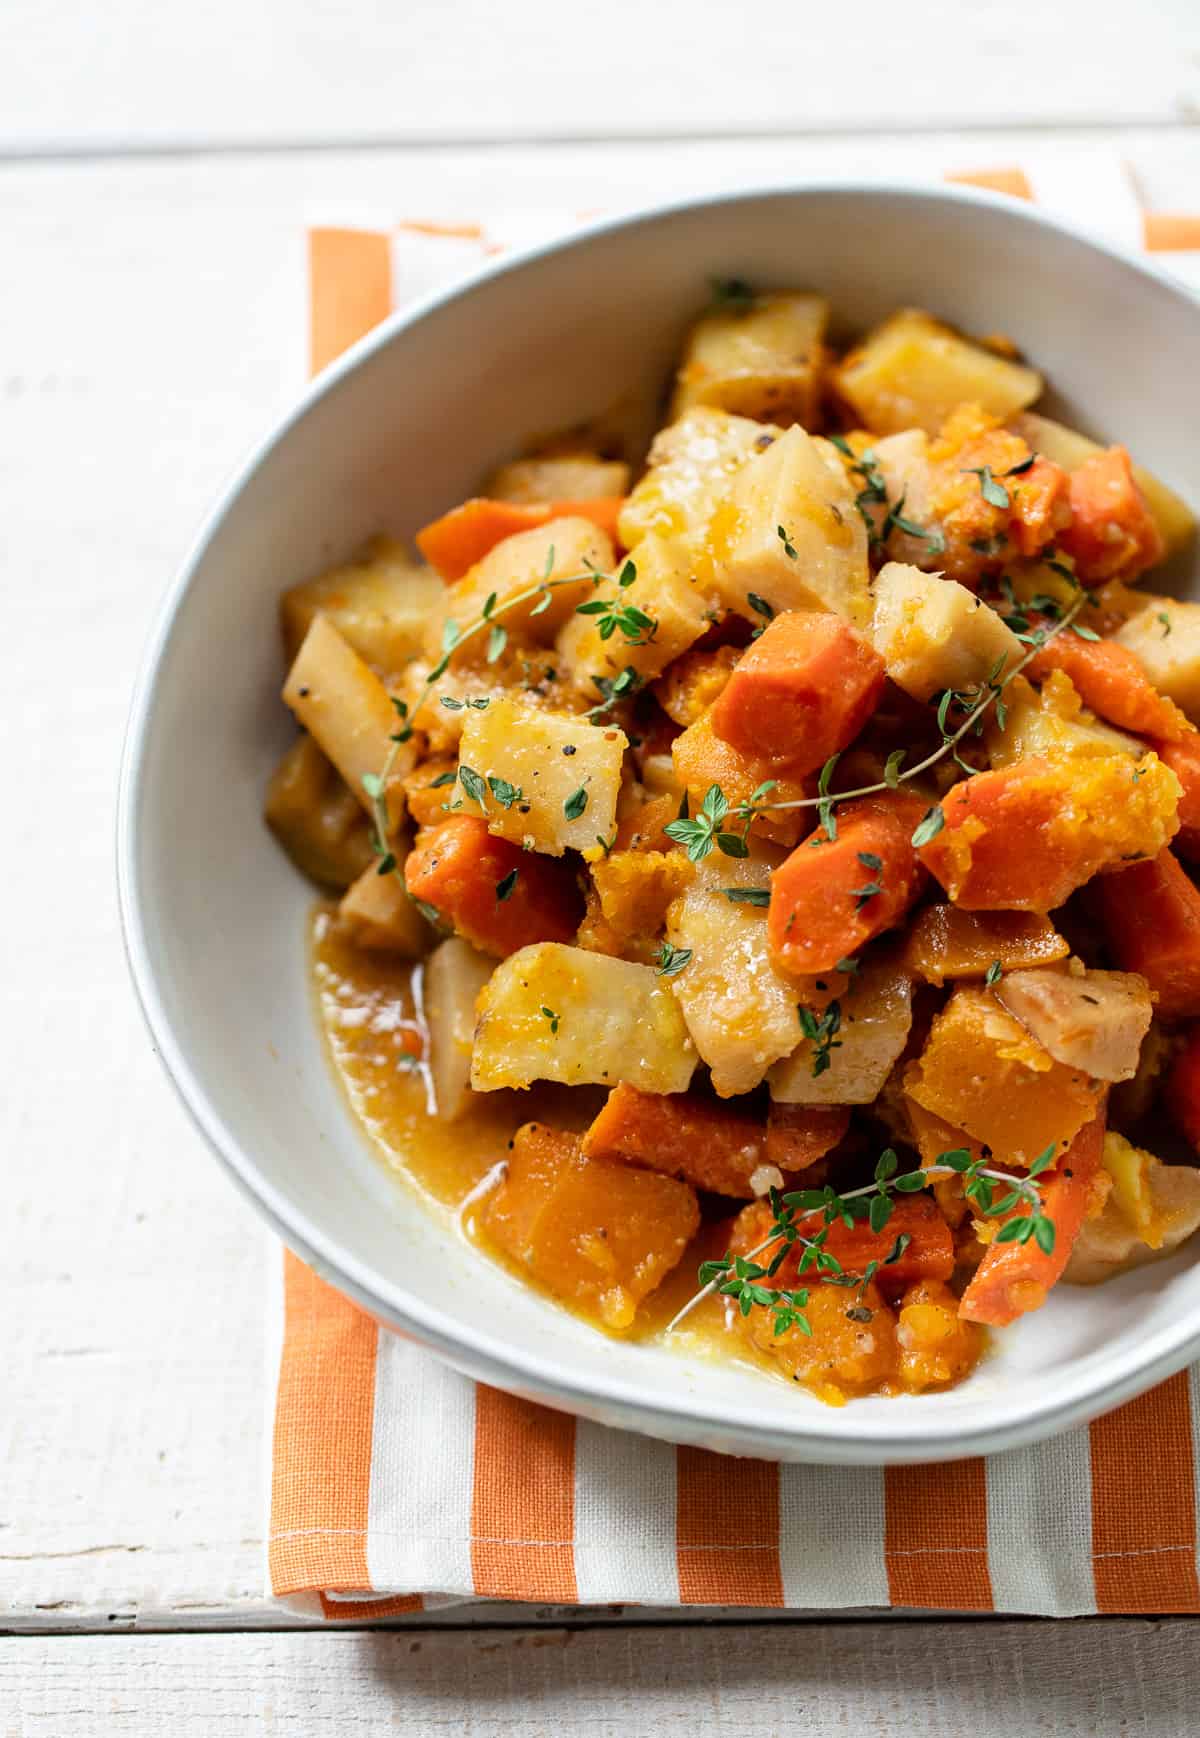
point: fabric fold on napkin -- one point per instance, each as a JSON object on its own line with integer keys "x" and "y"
{"x": 399, "y": 1485}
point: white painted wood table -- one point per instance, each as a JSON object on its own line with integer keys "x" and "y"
{"x": 157, "y": 168}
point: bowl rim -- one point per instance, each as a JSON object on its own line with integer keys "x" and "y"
{"x": 827, "y": 1436}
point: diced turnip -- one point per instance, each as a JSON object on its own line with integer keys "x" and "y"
{"x": 549, "y": 782}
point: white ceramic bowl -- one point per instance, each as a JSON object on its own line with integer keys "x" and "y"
{"x": 404, "y": 426}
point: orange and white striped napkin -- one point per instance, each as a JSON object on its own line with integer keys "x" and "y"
{"x": 397, "y": 1484}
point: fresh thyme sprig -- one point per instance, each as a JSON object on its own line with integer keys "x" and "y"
{"x": 874, "y": 1202}
{"x": 636, "y": 627}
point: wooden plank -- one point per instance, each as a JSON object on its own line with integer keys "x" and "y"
{"x": 151, "y": 325}
{"x": 272, "y": 73}
{"x": 1018, "y": 1680}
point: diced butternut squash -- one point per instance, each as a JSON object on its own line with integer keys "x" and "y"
{"x": 1091, "y": 1021}
{"x": 316, "y": 818}
{"x": 833, "y": 895}
{"x": 740, "y": 1011}
{"x": 1151, "y": 918}
{"x": 934, "y": 1138}
{"x": 801, "y": 692}
{"x": 708, "y": 1145}
{"x": 429, "y": 790}
{"x": 691, "y": 465}
{"x": 1050, "y": 723}
{"x": 497, "y": 896}
{"x": 1024, "y": 837}
{"x": 377, "y": 913}
{"x": 342, "y": 704}
{"x": 800, "y": 1134}
{"x": 762, "y": 359}
{"x": 980, "y": 1071}
{"x": 1165, "y": 638}
{"x": 933, "y": 634}
{"x": 1067, "y": 447}
{"x": 380, "y": 604}
{"x": 559, "y": 477}
{"x": 693, "y": 682}
{"x": 944, "y": 942}
{"x": 790, "y": 535}
{"x": 470, "y": 533}
{"x": 562, "y": 1013}
{"x": 701, "y": 760}
{"x": 1015, "y": 1278}
{"x": 454, "y": 975}
{"x": 566, "y": 555}
{"x": 597, "y": 1235}
{"x": 912, "y": 371}
{"x": 671, "y": 612}
{"x": 1112, "y": 534}
{"x": 551, "y": 783}
{"x": 636, "y": 888}
{"x": 1150, "y": 1209}
{"x": 874, "y": 1018}
{"x": 643, "y": 825}
{"x": 937, "y": 1348}
{"x": 1111, "y": 679}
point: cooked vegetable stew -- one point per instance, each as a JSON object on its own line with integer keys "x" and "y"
{"x": 763, "y": 891}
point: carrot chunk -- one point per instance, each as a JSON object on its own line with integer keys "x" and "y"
{"x": 800, "y": 1134}
{"x": 1112, "y": 534}
{"x": 801, "y": 692}
{"x": 1024, "y": 837}
{"x": 928, "y": 1254}
{"x": 708, "y": 1145}
{"x": 1183, "y": 758}
{"x": 1151, "y": 917}
{"x": 460, "y": 538}
{"x": 1183, "y": 1088}
{"x": 1112, "y": 681}
{"x": 496, "y": 895}
{"x": 1014, "y": 1278}
{"x": 832, "y": 895}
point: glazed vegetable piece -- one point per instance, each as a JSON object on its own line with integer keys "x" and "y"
{"x": 553, "y": 477}
{"x": 800, "y": 1134}
{"x": 1112, "y": 534}
{"x": 761, "y": 357}
{"x": 465, "y": 536}
{"x": 1165, "y": 638}
{"x": 1015, "y": 1278}
{"x": 1069, "y": 448}
{"x": 1113, "y": 682}
{"x": 379, "y": 603}
{"x": 1050, "y": 723}
{"x": 561, "y": 1013}
{"x": 1090, "y": 1020}
{"x": 637, "y": 888}
{"x": 933, "y": 1137}
{"x": 565, "y": 554}
{"x": 429, "y": 789}
{"x": 342, "y": 704}
{"x": 933, "y": 634}
{"x": 1151, "y": 917}
{"x": 702, "y": 759}
{"x": 852, "y": 1043}
{"x": 937, "y": 1348}
{"x": 1024, "y": 837}
{"x": 1183, "y": 758}
{"x": 497, "y": 896}
{"x": 317, "y": 818}
{"x": 377, "y": 912}
{"x": 943, "y": 941}
{"x": 832, "y": 896}
{"x": 980, "y": 1071}
{"x": 801, "y": 692}
{"x": 791, "y": 536}
{"x": 740, "y": 1011}
{"x": 642, "y": 619}
{"x": 690, "y": 685}
{"x": 1151, "y": 1208}
{"x": 712, "y": 1146}
{"x": 600, "y": 1236}
{"x": 689, "y": 471}
{"x": 454, "y": 975}
{"x": 928, "y": 1253}
{"x": 546, "y": 782}
{"x": 1182, "y": 1092}
{"x": 913, "y": 372}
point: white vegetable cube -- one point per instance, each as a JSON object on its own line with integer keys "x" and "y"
{"x": 1051, "y": 722}
{"x": 569, "y": 549}
{"x": 669, "y": 609}
{"x": 560, "y": 477}
{"x": 454, "y": 975}
{"x": 377, "y": 913}
{"x": 1166, "y": 638}
{"x": 691, "y": 465}
{"x": 791, "y": 533}
{"x": 933, "y": 634}
{"x": 739, "y": 1010}
{"x": 557, "y": 778}
{"x": 874, "y": 1018}
{"x": 912, "y": 371}
{"x": 552, "y": 1012}
{"x": 381, "y": 605}
{"x": 345, "y": 707}
{"x": 762, "y": 359}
